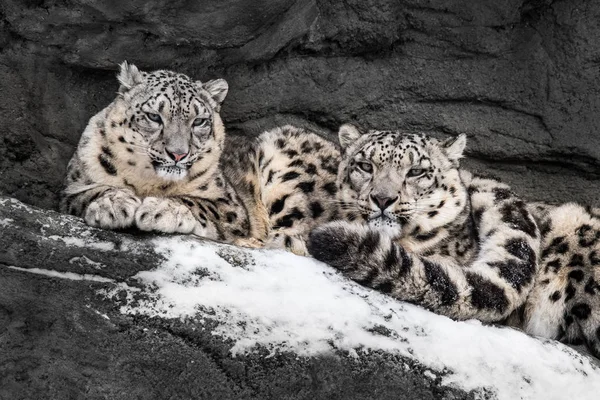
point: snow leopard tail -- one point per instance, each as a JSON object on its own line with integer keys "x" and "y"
{"x": 462, "y": 292}
{"x": 489, "y": 288}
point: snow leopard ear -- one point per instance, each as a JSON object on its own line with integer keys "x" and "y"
{"x": 129, "y": 76}
{"x": 347, "y": 135}
{"x": 217, "y": 88}
{"x": 454, "y": 147}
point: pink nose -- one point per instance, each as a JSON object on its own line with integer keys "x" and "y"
{"x": 177, "y": 156}
{"x": 383, "y": 202}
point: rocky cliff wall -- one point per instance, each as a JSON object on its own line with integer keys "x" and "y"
{"x": 520, "y": 77}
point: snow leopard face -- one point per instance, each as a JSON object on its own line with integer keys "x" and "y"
{"x": 403, "y": 183}
{"x": 171, "y": 119}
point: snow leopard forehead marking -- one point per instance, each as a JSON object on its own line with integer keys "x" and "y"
{"x": 396, "y": 149}
{"x": 177, "y": 94}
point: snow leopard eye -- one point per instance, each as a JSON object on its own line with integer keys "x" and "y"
{"x": 365, "y": 166}
{"x": 200, "y": 122}
{"x": 415, "y": 172}
{"x": 154, "y": 117}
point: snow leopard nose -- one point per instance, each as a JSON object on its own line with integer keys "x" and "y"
{"x": 176, "y": 156}
{"x": 383, "y": 202}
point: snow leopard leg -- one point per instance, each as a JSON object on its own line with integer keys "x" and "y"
{"x": 170, "y": 215}
{"x": 202, "y": 217}
{"x": 103, "y": 206}
{"x": 293, "y": 240}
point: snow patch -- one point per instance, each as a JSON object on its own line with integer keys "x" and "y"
{"x": 6, "y": 222}
{"x": 283, "y": 302}
{"x": 16, "y": 204}
{"x": 78, "y": 242}
{"x": 64, "y": 275}
{"x": 116, "y": 290}
{"x": 83, "y": 260}
{"x": 429, "y": 375}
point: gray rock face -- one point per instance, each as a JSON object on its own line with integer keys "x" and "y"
{"x": 520, "y": 77}
{"x": 72, "y": 326}
{"x": 60, "y": 339}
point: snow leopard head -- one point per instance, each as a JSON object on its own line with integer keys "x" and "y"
{"x": 171, "y": 119}
{"x": 405, "y": 183}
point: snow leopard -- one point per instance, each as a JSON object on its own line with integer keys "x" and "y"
{"x": 150, "y": 159}
{"x": 462, "y": 245}
{"x": 154, "y": 160}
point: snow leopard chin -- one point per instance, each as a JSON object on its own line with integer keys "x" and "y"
{"x": 171, "y": 173}
{"x": 386, "y": 226}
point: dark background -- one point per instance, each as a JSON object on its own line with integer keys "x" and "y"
{"x": 520, "y": 77}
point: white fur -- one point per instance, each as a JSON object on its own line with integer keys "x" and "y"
{"x": 454, "y": 147}
{"x": 347, "y": 135}
{"x": 173, "y": 217}
{"x": 113, "y": 210}
{"x": 129, "y": 76}
{"x": 218, "y": 89}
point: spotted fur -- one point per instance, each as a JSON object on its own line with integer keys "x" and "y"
{"x": 154, "y": 159}
{"x": 565, "y": 301}
{"x": 151, "y": 160}
{"x": 420, "y": 229}
{"x": 286, "y": 178}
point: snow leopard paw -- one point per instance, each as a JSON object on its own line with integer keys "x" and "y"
{"x": 114, "y": 209}
{"x": 295, "y": 243}
{"x": 251, "y": 243}
{"x": 165, "y": 215}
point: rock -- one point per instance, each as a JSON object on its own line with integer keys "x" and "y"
{"x": 60, "y": 339}
{"x": 518, "y": 76}
{"x": 88, "y": 313}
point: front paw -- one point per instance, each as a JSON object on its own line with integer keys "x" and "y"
{"x": 165, "y": 215}
{"x": 295, "y": 243}
{"x": 113, "y": 210}
{"x": 251, "y": 243}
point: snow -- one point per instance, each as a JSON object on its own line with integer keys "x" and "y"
{"x": 83, "y": 260}
{"x": 64, "y": 275}
{"x": 5, "y": 222}
{"x": 15, "y": 204}
{"x": 99, "y": 313}
{"x": 78, "y": 242}
{"x": 430, "y": 375}
{"x": 286, "y": 303}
